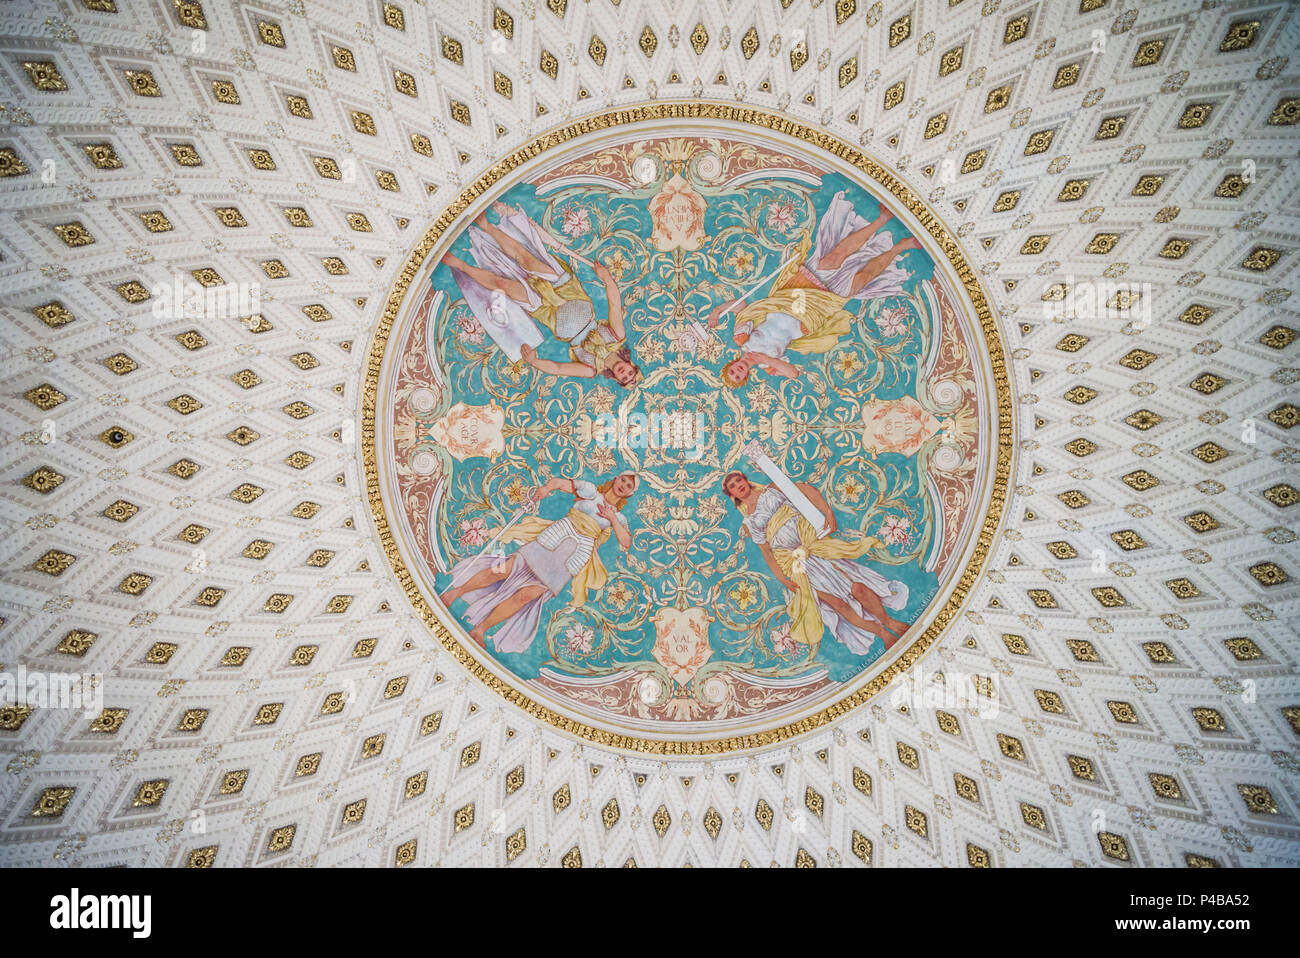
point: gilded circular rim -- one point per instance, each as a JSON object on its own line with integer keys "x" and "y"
{"x": 941, "y": 239}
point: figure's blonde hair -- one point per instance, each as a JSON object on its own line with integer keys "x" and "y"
{"x": 608, "y": 484}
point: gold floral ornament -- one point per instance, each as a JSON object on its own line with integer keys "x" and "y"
{"x": 54, "y": 562}
{"x": 1067, "y": 75}
{"x": 45, "y": 76}
{"x": 225, "y": 92}
{"x": 53, "y": 801}
{"x": 44, "y": 397}
{"x": 103, "y": 156}
{"x": 74, "y": 234}
{"x": 11, "y": 164}
{"x": 1286, "y": 113}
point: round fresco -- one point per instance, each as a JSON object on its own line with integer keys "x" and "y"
{"x": 687, "y": 429}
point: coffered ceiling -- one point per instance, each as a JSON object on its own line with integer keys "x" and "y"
{"x": 184, "y": 503}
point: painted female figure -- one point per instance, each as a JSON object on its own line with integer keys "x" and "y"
{"x": 515, "y": 272}
{"x": 827, "y": 585}
{"x": 510, "y": 592}
{"x": 804, "y": 312}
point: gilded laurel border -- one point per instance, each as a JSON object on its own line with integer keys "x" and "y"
{"x": 939, "y": 235}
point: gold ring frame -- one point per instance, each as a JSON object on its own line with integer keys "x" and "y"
{"x": 939, "y": 238}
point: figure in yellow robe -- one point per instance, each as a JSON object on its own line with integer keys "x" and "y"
{"x": 517, "y": 274}
{"x": 804, "y": 311}
{"x": 828, "y": 583}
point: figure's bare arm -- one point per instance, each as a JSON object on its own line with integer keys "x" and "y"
{"x": 615, "y": 299}
{"x": 547, "y": 238}
{"x": 552, "y": 367}
{"x": 774, "y": 365}
{"x": 775, "y": 566}
{"x": 563, "y": 250}
{"x": 574, "y": 369}
{"x": 715, "y": 317}
{"x": 616, "y": 522}
{"x": 819, "y": 501}
{"x": 554, "y": 484}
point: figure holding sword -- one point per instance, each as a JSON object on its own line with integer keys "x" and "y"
{"x": 804, "y": 310}
{"x": 701, "y": 334}
{"x": 510, "y": 592}
{"x": 827, "y": 583}
{"x": 517, "y": 282}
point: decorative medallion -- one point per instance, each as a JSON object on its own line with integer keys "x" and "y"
{"x": 687, "y": 428}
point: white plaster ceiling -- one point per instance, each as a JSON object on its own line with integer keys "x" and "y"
{"x": 1034, "y": 785}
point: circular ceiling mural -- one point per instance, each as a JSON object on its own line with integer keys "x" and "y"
{"x": 687, "y": 429}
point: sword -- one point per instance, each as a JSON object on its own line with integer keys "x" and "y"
{"x": 754, "y": 451}
{"x": 525, "y": 509}
{"x": 704, "y": 332}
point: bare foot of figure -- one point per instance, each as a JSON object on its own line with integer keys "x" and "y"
{"x": 479, "y": 635}
{"x": 448, "y": 597}
{"x": 909, "y": 243}
{"x": 878, "y": 630}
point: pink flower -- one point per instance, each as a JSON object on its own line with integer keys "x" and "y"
{"x": 894, "y": 530}
{"x": 473, "y": 532}
{"x": 782, "y": 643}
{"x": 469, "y": 329}
{"x": 890, "y": 321}
{"x": 579, "y": 639}
{"x": 577, "y": 220}
{"x": 780, "y": 216}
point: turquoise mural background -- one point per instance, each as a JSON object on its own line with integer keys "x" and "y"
{"x": 696, "y": 555}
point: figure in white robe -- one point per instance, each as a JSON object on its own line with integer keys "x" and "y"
{"x": 848, "y": 248}
{"x": 508, "y": 593}
{"x": 516, "y": 284}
